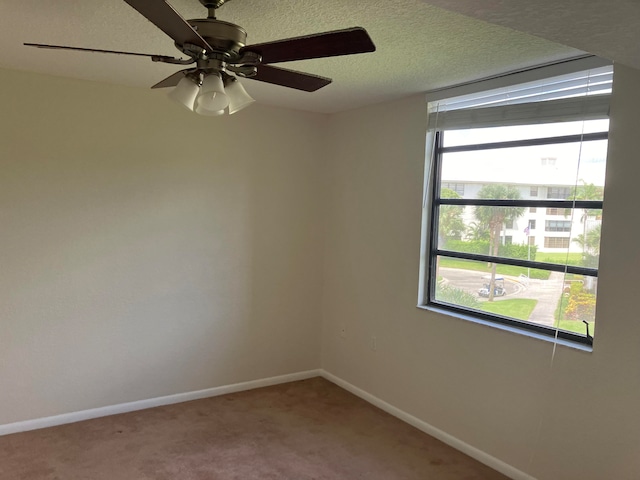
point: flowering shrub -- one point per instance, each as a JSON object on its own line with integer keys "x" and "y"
{"x": 581, "y": 304}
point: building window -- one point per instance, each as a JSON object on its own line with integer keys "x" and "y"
{"x": 557, "y": 226}
{"x": 558, "y": 192}
{"x": 556, "y": 242}
{"x": 456, "y": 187}
{"x": 533, "y": 209}
{"x": 497, "y": 146}
{"x": 565, "y": 212}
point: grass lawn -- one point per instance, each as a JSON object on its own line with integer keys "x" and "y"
{"x": 571, "y": 258}
{"x": 577, "y": 326}
{"x": 519, "y": 308}
{"x": 501, "y": 269}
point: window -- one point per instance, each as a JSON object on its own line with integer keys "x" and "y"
{"x": 495, "y": 140}
{"x": 559, "y": 211}
{"x": 557, "y": 226}
{"x": 456, "y": 187}
{"x": 556, "y": 242}
{"x": 558, "y": 192}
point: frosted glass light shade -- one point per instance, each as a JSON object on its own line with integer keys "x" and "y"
{"x": 238, "y": 96}
{"x": 185, "y": 93}
{"x": 208, "y": 113}
{"x": 211, "y": 97}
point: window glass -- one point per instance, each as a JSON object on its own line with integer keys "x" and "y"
{"x": 486, "y": 258}
{"x": 557, "y": 226}
{"x": 520, "y": 166}
{"x": 466, "y": 284}
{"x": 522, "y": 132}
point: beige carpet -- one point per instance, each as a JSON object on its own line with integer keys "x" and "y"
{"x": 303, "y": 430}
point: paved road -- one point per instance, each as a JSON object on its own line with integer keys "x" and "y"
{"x": 547, "y": 292}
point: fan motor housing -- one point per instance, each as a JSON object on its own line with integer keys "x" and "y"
{"x": 224, "y": 37}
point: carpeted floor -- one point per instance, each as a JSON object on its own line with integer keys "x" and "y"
{"x": 303, "y": 430}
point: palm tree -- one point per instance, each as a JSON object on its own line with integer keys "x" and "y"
{"x": 495, "y": 217}
{"x": 590, "y": 243}
{"x": 587, "y": 191}
{"x": 478, "y": 231}
{"x": 450, "y": 224}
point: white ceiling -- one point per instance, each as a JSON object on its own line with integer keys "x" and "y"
{"x": 419, "y": 46}
{"x": 607, "y": 28}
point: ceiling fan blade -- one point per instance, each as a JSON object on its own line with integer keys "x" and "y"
{"x": 117, "y": 52}
{"x": 172, "y": 80}
{"x": 165, "y": 17}
{"x": 290, "y": 78}
{"x": 327, "y": 44}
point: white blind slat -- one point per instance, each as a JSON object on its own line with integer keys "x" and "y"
{"x": 564, "y": 110}
{"x": 576, "y": 96}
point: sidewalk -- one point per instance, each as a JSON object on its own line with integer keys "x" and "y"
{"x": 547, "y": 292}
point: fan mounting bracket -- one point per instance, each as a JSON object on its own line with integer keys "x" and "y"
{"x": 212, "y": 6}
{"x": 213, "y": 3}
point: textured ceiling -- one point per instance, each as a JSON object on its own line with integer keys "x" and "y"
{"x": 607, "y": 28}
{"x": 419, "y": 46}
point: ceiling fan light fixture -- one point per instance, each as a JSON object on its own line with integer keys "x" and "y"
{"x": 238, "y": 96}
{"x": 185, "y": 93}
{"x": 212, "y": 96}
{"x": 208, "y": 113}
{"x": 215, "y": 46}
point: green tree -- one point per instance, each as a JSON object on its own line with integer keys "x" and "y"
{"x": 589, "y": 240}
{"x": 450, "y": 225}
{"x": 590, "y": 243}
{"x": 478, "y": 232}
{"x": 494, "y": 218}
{"x": 587, "y": 191}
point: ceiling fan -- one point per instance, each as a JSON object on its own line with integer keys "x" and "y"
{"x": 217, "y": 50}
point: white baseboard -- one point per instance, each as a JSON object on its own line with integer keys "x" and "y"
{"x": 444, "y": 437}
{"x": 150, "y": 403}
{"x": 450, "y": 440}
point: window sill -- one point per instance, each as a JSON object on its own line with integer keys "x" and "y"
{"x": 507, "y": 328}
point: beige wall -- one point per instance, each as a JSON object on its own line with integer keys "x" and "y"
{"x": 575, "y": 417}
{"x": 146, "y": 251}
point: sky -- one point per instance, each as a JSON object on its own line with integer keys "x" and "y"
{"x": 574, "y": 162}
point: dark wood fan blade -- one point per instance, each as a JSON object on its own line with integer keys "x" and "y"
{"x": 290, "y": 78}
{"x": 117, "y": 52}
{"x": 164, "y": 16}
{"x": 328, "y": 44}
{"x": 172, "y": 80}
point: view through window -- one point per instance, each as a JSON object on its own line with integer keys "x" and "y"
{"x": 517, "y": 240}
